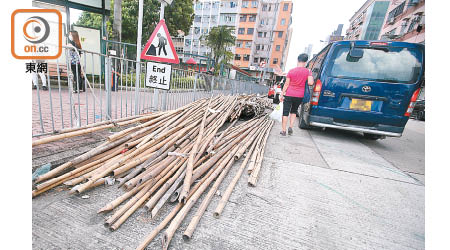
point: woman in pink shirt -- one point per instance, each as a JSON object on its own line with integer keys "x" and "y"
{"x": 293, "y": 91}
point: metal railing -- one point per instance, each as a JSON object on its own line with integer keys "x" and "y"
{"x": 111, "y": 93}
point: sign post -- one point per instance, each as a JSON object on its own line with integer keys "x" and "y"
{"x": 138, "y": 58}
{"x": 159, "y": 48}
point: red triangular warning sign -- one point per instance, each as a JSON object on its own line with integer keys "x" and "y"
{"x": 159, "y": 46}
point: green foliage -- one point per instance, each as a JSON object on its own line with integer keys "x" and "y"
{"x": 178, "y": 16}
{"x": 219, "y": 39}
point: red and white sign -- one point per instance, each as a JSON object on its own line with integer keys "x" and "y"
{"x": 262, "y": 64}
{"x": 159, "y": 46}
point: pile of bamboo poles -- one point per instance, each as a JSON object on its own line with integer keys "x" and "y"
{"x": 255, "y": 106}
{"x": 172, "y": 156}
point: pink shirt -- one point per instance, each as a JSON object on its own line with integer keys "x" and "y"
{"x": 298, "y": 77}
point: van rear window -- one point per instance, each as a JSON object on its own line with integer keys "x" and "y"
{"x": 398, "y": 65}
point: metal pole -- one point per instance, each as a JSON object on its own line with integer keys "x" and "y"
{"x": 138, "y": 57}
{"x": 156, "y": 91}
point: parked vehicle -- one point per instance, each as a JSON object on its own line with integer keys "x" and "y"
{"x": 364, "y": 86}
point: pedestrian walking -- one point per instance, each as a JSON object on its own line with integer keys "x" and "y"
{"x": 75, "y": 64}
{"x": 293, "y": 91}
{"x": 36, "y": 79}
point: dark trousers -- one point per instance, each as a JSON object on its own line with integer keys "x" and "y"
{"x": 291, "y": 104}
{"x": 164, "y": 49}
{"x": 77, "y": 76}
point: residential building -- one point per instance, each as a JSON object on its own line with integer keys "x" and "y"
{"x": 178, "y": 43}
{"x": 405, "y": 21}
{"x": 367, "y": 22}
{"x": 262, "y": 28}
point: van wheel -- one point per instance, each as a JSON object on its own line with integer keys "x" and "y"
{"x": 302, "y": 123}
{"x": 372, "y": 136}
{"x": 421, "y": 116}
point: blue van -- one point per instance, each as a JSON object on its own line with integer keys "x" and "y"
{"x": 364, "y": 86}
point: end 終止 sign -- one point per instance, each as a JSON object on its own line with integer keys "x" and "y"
{"x": 158, "y": 75}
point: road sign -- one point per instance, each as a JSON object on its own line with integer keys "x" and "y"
{"x": 262, "y": 64}
{"x": 159, "y": 46}
{"x": 158, "y": 75}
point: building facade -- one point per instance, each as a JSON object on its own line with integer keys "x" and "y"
{"x": 367, "y": 22}
{"x": 405, "y": 21}
{"x": 262, "y": 30}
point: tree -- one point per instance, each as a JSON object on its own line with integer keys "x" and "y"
{"x": 117, "y": 24}
{"x": 178, "y": 16}
{"x": 219, "y": 40}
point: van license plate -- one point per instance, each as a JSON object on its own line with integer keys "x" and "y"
{"x": 360, "y": 104}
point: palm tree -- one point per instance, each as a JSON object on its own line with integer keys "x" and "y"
{"x": 219, "y": 39}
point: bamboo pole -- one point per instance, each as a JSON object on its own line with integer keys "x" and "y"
{"x": 168, "y": 234}
{"x": 254, "y": 176}
{"x": 226, "y": 195}
{"x": 196, "y": 219}
{"x": 190, "y": 163}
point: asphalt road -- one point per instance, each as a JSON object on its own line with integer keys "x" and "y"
{"x": 317, "y": 190}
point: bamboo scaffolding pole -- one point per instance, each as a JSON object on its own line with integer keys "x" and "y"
{"x": 254, "y": 176}
{"x": 127, "y": 205}
{"x": 226, "y": 195}
{"x": 136, "y": 205}
{"x": 167, "y": 187}
{"x": 170, "y": 231}
{"x": 251, "y": 164}
{"x": 91, "y": 153}
{"x": 196, "y": 219}
{"x": 190, "y": 163}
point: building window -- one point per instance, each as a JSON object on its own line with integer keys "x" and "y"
{"x": 255, "y": 60}
{"x": 241, "y": 31}
{"x": 275, "y": 60}
{"x": 254, "y": 4}
{"x": 257, "y": 47}
{"x": 261, "y": 22}
{"x": 286, "y": 7}
{"x": 187, "y": 42}
{"x": 239, "y": 44}
{"x": 248, "y": 44}
{"x": 245, "y": 4}
{"x": 260, "y": 34}
{"x": 396, "y": 12}
{"x": 243, "y": 18}
{"x": 277, "y": 48}
{"x": 233, "y": 5}
{"x": 237, "y": 57}
{"x": 283, "y": 21}
{"x": 198, "y": 6}
{"x": 252, "y": 18}
{"x": 280, "y": 34}
{"x": 270, "y": 7}
{"x": 250, "y": 31}
{"x": 247, "y": 58}
{"x": 265, "y": 34}
{"x": 198, "y": 18}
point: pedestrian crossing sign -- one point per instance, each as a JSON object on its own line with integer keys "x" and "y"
{"x": 159, "y": 46}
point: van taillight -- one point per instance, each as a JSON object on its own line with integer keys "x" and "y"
{"x": 316, "y": 93}
{"x": 412, "y": 103}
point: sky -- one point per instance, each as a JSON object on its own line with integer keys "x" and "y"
{"x": 314, "y": 20}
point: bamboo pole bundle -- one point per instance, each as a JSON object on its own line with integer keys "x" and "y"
{"x": 254, "y": 175}
{"x": 190, "y": 163}
{"x": 164, "y": 153}
{"x": 226, "y": 195}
